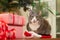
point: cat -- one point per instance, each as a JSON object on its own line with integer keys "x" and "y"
{"x": 36, "y": 23}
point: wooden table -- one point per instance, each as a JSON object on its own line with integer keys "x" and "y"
{"x": 37, "y": 39}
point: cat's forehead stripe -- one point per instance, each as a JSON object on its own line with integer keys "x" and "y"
{"x": 34, "y": 14}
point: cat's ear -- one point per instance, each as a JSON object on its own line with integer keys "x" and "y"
{"x": 40, "y": 13}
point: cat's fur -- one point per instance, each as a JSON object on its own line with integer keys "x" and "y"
{"x": 43, "y": 27}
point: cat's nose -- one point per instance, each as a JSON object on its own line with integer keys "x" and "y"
{"x": 34, "y": 21}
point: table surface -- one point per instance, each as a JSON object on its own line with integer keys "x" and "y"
{"x": 37, "y": 39}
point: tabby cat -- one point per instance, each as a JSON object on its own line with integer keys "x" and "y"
{"x": 38, "y": 24}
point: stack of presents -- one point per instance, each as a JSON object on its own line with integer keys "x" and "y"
{"x": 11, "y": 26}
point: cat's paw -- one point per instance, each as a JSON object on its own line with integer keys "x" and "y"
{"x": 35, "y": 34}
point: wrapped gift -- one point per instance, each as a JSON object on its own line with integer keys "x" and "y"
{"x": 13, "y": 19}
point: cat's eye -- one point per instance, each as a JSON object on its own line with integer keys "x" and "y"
{"x": 37, "y": 16}
{"x": 31, "y": 16}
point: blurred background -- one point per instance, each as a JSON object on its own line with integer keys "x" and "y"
{"x": 21, "y": 8}
{"x": 58, "y": 18}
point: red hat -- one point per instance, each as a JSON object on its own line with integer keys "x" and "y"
{"x": 27, "y": 34}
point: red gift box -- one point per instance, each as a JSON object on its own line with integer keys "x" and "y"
{"x": 12, "y": 19}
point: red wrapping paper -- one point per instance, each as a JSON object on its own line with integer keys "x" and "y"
{"x": 9, "y": 18}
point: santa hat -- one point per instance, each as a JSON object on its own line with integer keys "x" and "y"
{"x": 27, "y": 34}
